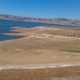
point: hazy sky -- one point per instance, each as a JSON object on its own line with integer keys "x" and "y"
{"x": 42, "y": 8}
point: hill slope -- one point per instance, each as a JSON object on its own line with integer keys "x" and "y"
{"x": 53, "y": 20}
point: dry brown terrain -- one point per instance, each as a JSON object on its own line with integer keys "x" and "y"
{"x": 41, "y": 47}
{"x": 46, "y": 45}
{"x": 67, "y": 73}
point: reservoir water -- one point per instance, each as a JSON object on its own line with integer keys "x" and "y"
{"x": 5, "y": 26}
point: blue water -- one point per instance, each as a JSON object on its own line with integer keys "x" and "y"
{"x": 5, "y": 26}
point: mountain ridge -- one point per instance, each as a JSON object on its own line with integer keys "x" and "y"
{"x": 51, "y": 20}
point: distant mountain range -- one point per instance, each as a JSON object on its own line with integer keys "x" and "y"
{"x": 52, "y": 20}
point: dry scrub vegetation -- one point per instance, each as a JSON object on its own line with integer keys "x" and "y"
{"x": 67, "y": 73}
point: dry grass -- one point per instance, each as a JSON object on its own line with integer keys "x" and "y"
{"x": 72, "y": 50}
{"x": 67, "y": 73}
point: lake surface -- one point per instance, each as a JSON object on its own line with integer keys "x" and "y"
{"x": 5, "y": 26}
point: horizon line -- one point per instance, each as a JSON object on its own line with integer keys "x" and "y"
{"x": 38, "y": 17}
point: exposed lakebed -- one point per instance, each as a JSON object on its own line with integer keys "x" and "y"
{"x": 5, "y": 27}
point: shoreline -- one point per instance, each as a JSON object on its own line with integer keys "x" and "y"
{"x": 42, "y": 22}
{"x": 38, "y": 66}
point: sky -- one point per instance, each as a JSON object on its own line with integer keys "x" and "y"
{"x": 41, "y": 8}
